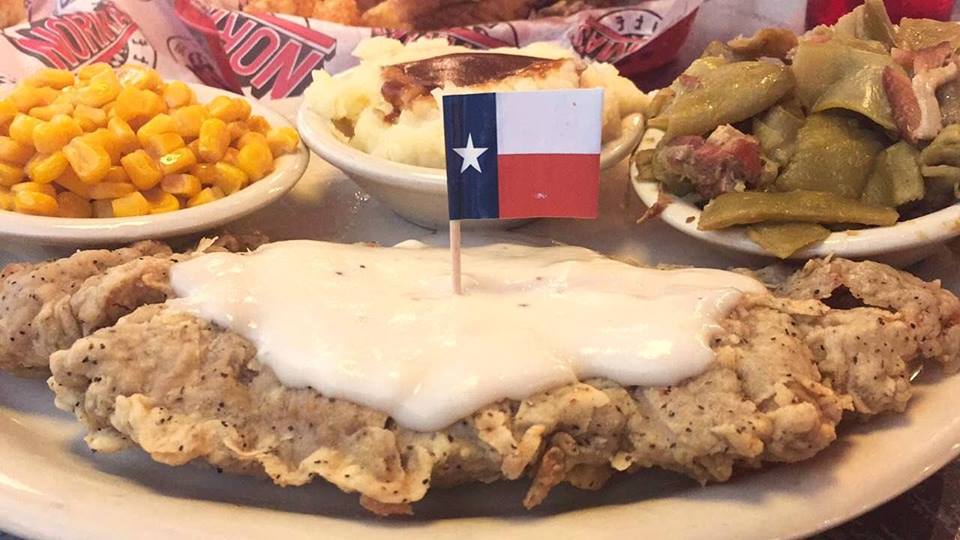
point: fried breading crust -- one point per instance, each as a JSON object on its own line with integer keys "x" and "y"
{"x": 434, "y": 14}
{"x": 47, "y": 306}
{"x": 12, "y": 12}
{"x": 786, "y": 368}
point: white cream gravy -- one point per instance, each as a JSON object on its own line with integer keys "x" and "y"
{"x": 380, "y": 327}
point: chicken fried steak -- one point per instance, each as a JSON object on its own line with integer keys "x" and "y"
{"x": 787, "y": 367}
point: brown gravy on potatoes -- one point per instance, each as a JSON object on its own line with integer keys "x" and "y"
{"x": 405, "y": 82}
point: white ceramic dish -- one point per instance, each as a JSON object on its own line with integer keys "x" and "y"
{"x": 85, "y": 232}
{"x": 51, "y": 486}
{"x": 900, "y": 245}
{"x": 419, "y": 194}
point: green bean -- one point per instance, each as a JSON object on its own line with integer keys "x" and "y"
{"x": 768, "y": 42}
{"x": 727, "y": 94}
{"x": 834, "y": 75}
{"x": 944, "y": 149}
{"x": 834, "y": 153}
{"x": 941, "y": 172}
{"x": 916, "y": 34}
{"x": 785, "y": 239}
{"x": 896, "y": 178}
{"x": 749, "y": 207}
{"x": 877, "y": 24}
{"x": 776, "y": 130}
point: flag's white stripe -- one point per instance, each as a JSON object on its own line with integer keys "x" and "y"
{"x": 550, "y": 122}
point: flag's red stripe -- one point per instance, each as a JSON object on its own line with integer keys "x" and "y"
{"x": 548, "y": 185}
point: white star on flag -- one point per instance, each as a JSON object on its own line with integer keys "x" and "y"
{"x": 470, "y": 155}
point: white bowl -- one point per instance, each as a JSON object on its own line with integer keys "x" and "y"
{"x": 419, "y": 194}
{"x": 85, "y": 232}
{"x": 899, "y": 245}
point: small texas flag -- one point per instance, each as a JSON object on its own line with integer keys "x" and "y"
{"x": 523, "y": 154}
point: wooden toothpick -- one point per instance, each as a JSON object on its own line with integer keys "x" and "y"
{"x": 455, "y": 256}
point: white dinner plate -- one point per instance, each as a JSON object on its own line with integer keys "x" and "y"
{"x": 288, "y": 169}
{"x": 52, "y": 486}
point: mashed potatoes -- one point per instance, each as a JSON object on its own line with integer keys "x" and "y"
{"x": 368, "y": 121}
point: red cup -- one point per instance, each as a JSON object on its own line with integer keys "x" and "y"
{"x": 828, "y": 11}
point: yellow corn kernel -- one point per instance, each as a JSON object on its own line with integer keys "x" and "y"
{"x": 140, "y": 77}
{"x": 54, "y": 78}
{"x": 230, "y": 179}
{"x": 124, "y": 134}
{"x": 214, "y": 140}
{"x": 161, "y": 201}
{"x": 13, "y": 152}
{"x": 7, "y": 111}
{"x": 110, "y": 190}
{"x": 89, "y": 160}
{"x": 6, "y": 199}
{"x": 183, "y": 185}
{"x": 206, "y": 195}
{"x": 189, "y": 119}
{"x": 255, "y": 160}
{"x": 128, "y": 104}
{"x": 10, "y": 174}
{"x": 249, "y": 137}
{"x": 243, "y": 106}
{"x": 86, "y": 73}
{"x": 177, "y": 94}
{"x": 163, "y": 143}
{"x": 137, "y": 106}
{"x": 71, "y": 182}
{"x": 101, "y": 89}
{"x": 49, "y": 137}
{"x": 237, "y": 129}
{"x": 180, "y": 160}
{"x": 134, "y": 204}
{"x": 153, "y": 103}
{"x": 205, "y": 172}
{"x": 45, "y": 168}
{"x": 229, "y": 109}
{"x": 230, "y": 156}
{"x": 161, "y": 123}
{"x": 117, "y": 174}
{"x": 90, "y": 118}
{"x": 46, "y": 189}
{"x": 73, "y": 206}
{"x": 105, "y": 138}
{"x": 47, "y": 112}
{"x": 258, "y": 123}
{"x": 102, "y": 209}
{"x": 21, "y": 129}
{"x": 284, "y": 140}
{"x": 143, "y": 171}
{"x": 25, "y": 97}
{"x": 194, "y": 146}
{"x": 36, "y": 203}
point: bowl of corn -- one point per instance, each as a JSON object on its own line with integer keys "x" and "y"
{"x": 114, "y": 155}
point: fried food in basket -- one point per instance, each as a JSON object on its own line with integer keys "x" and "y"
{"x": 12, "y": 12}
{"x": 416, "y": 14}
